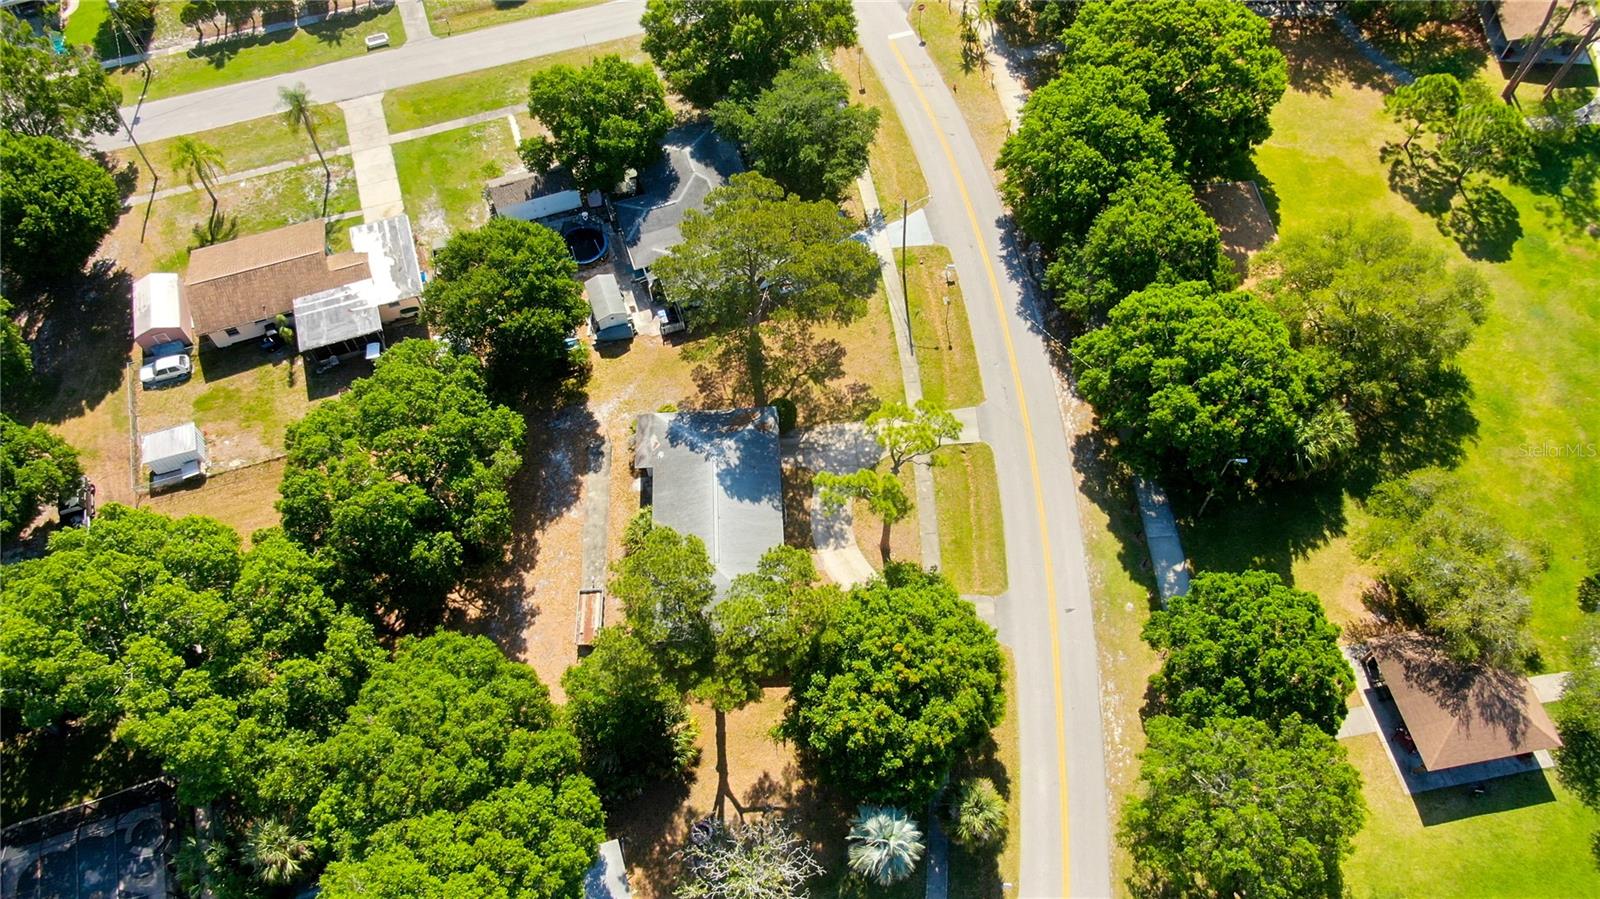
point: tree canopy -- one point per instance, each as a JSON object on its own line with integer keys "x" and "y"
{"x": 1388, "y": 313}
{"x": 1209, "y": 67}
{"x": 1199, "y": 378}
{"x": 1578, "y": 719}
{"x": 219, "y": 664}
{"x": 507, "y": 292}
{"x": 1234, "y": 808}
{"x": 712, "y": 50}
{"x": 401, "y": 482}
{"x": 604, "y": 119}
{"x": 762, "y": 625}
{"x": 757, "y": 253}
{"x": 452, "y": 769}
{"x": 1247, "y": 645}
{"x": 630, "y": 719}
{"x": 64, "y": 95}
{"x": 16, "y": 360}
{"x": 803, "y": 132}
{"x": 901, "y": 682}
{"x": 664, "y": 583}
{"x": 1453, "y": 569}
{"x": 908, "y": 433}
{"x": 1151, "y": 232}
{"x": 1082, "y": 137}
{"x": 55, "y": 206}
{"x": 37, "y": 468}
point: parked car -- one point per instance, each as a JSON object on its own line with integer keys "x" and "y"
{"x": 165, "y": 370}
{"x": 77, "y": 510}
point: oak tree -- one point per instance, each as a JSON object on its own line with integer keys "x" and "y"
{"x": 803, "y": 132}
{"x": 712, "y": 50}
{"x": 604, "y": 119}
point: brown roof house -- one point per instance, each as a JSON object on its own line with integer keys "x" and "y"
{"x": 1460, "y": 714}
{"x": 233, "y": 291}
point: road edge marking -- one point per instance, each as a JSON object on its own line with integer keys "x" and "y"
{"x": 1033, "y": 467}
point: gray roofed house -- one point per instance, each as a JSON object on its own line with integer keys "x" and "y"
{"x": 391, "y": 257}
{"x": 695, "y": 161}
{"x": 716, "y": 475}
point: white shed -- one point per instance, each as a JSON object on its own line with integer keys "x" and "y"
{"x": 612, "y": 320}
{"x": 174, "y": 454}
{"x": 160, "y": 312}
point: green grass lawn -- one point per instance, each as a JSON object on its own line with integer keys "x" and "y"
{"x": 1526, "y": 838}
{"x": 972, "y": 542}
{"x": 84, "y": 25}
{"x": 982, "y": 875}
{"x": 463, "y": 95}
{"x": 246, "y": 145}
{"x": 893, "y": 163}
{"x": 939, "y": 330}
{"x": 441, "y": 176}
{"x": 447, "y": 17}
{"x": 973, "y": 85}
{"x": 257, "y": 204}
{"x": 230, "y": 62}
{"x": 1531, "y": 364}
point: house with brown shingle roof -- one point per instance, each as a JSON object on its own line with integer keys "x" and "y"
{"x": 236, "y": 289}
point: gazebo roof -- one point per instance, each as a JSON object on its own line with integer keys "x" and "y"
{"x": 1461, "y": 714}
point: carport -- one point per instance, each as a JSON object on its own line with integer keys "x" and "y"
{"x": 337, "y": 322}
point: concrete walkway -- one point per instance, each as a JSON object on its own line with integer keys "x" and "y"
{"x": 910, "y": 372}
{"x": 840, "y": 449}
{"x": 377, "y": 182}
{"x": 415, "y": 17}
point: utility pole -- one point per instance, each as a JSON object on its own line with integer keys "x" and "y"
{"x": 905, "y": 293}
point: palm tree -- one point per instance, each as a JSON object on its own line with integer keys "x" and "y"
{"x": 978, "y": 814}
{"x": 885, "y": 845}
{"x": 197, "y": 159}
{"x": 297, "y": 113}
{"x": 275, "y": 853}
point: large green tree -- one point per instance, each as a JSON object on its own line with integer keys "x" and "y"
{"x": 664, "y": 583}
{"x": 1198, "y": 380}
{"x": 37, "y": 468}
{"x": 803, "y": 132}
{"x": 903, "y": 680}
{"x": 1236, "y": 808}
{"x": 223, "y": 666}
{"x": 401, "y": 482}
{"x": 712, "y": 50}
{"x": 55, "y": 206}
{"x": 1578, "y": 719}
{"x": 1151, "y": 232}
{"x": 1453, "y": 570}
{"x": 757, "y": 253}
{"x": 64, "y": 95}
{"x": 1461, "y": 130}
{"x": 761, "y": 626}
{"x": 604, "y": 119}
{"x": 1248, "y": 645}
{"x": 1083, "y": 136}
{"x": 16, "y": 360}
{"x": 1389, "y": 314}
{"x": 507, "y": 292}
{"x": 453, "y": 769}
{"x": 629, "y": 717}
{"x": 1209, "y": 66}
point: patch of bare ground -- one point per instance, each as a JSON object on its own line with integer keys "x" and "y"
{"x": 242, "y": 499}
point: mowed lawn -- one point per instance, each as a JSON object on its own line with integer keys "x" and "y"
{"x": 447, "y": 17}
{"x": 949, "y": 363}
{"x": 229, "y": 62}
{"x": 972, "y": 542}
{"x": 458, "y": 96}
{"x": 1525, "y": 838}
{"x": 1532, "y": 365}
{"x": 246, "y": 145}
{"x": 442, "y": 176}
{"x": 895, "y": 172}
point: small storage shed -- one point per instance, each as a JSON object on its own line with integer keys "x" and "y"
{"x": 531, "y": 196}
{"x": 173, "y": 455}
{"x": 160, "y": 312}
{"x": 612, "y": 320}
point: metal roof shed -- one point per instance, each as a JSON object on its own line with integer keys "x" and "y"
{"x": 160, "y": 313}
{"x": 612, "y": 320}
{"x": 336, "y": 321}
{"x": 175, "y": 454}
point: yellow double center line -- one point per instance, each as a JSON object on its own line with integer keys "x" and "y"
{"x": 1033, "y": 466}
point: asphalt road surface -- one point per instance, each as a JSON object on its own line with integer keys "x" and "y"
{"x": 382, "y": 70}
{"x": 1046, "y": 616}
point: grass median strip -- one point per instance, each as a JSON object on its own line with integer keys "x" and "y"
{"x": 229, "y": 62}
{"x": 972, "y": 544}
{"x": 458, "y": 96}
{"x": 940, "y": 332}
{"x": 447, "y": 17}
{"x": 893, "y": 163}
{"x": 971, "y": 84}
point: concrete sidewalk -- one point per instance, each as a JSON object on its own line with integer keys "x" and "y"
{"x": 377, "y": 182}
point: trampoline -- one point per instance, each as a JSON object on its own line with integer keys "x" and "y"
{"x": 586, "y": 242}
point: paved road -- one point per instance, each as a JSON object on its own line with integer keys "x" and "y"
{"x": 1047, "y": 617}
{"x": 381, "y": 70}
